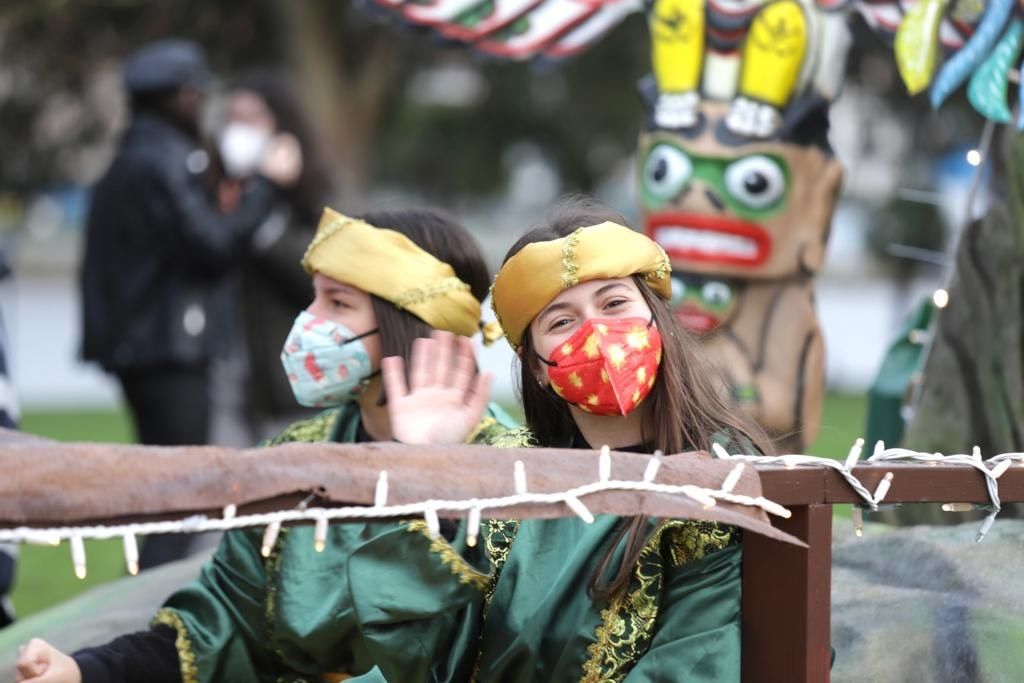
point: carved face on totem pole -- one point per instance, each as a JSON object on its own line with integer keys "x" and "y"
{"x": 736, "y": 185}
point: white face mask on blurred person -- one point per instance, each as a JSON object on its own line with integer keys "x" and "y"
{"x": 242, "y": 146}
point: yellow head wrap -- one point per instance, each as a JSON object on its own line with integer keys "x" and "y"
{"x": 531, "y": 279}
{"x": 389, "y": 265}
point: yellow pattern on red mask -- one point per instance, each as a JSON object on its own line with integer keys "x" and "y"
{"x": 607, "y": 367}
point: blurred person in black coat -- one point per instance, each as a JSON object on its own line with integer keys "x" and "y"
{"x": 256, "y": 401}
{"x": 155, "y": 308}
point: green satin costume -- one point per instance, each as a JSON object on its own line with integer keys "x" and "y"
{"x": 386, "y": 603}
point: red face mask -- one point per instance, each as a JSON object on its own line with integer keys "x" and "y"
{"x": 607, "y": 367}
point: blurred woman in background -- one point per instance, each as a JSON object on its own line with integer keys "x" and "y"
{"x": 252, "y": 398}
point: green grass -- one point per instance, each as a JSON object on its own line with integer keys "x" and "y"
{"x": 107, "y": 426}
{"x": 45, "y": 575}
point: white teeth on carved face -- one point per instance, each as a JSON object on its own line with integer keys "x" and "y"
{"x": 677, "y": 238}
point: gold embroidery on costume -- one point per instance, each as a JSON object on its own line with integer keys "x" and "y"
{"x": 692, "y": 542}
{"x": 418, "y": 295}
{"x": 182, "y": 642}
{"x": 272, "y": 570}
{"x": 311, "y": 430}
{"x": 627, "y": 624}
{"x": 569, "y": 266}
{"x": 479, "y": 433}
{"x": 520, "y": 437}
{"x": 452, "y": 559}
{"x": 498, "y": 536}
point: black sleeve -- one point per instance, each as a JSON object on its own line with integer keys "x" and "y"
{"x": 210, "y": 240}
{"x": 144, "y": 656}
{"x": 277, "y": 249}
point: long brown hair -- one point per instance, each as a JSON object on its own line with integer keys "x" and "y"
{"x": 685, "y": 410}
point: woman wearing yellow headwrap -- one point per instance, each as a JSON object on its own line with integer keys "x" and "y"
{"x": 582, "y": 300}
{"x": 263, "y": 613}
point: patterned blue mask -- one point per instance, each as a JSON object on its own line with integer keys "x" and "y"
{"x": 326, "y": 363}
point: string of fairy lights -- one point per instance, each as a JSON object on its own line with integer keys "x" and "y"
{"x": 992, "y": 469}
{"x": 321, "y": 517}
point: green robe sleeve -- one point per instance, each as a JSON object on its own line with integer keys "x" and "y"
{"x": 697, "y": 633}
{"x": 385, "y": 602}
{"x": 220, "y": 616}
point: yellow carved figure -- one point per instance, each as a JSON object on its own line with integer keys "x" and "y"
{"x": 774, "y": 53}
{"x": 677, "y": 44}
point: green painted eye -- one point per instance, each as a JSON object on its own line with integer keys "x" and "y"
{"x": 756, "y": 181}
{"x": 716, "y": 294}
{"x": 667, "y": 169}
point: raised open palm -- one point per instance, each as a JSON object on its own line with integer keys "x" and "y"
{"x": 445, "y": 397}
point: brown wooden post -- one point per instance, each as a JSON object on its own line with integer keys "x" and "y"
{"x": 787, "y": 601}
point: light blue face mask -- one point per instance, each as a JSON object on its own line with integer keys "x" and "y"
{"x": 326, "y": 363}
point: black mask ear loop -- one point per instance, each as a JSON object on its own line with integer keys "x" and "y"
{"x": 545, "y": 361}
{"x": 365, "y": 382}
{"x": 375, "y": 330}
{"x": 546, "y": 388}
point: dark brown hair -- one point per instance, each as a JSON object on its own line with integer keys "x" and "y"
{"x": 443, "y": 237}
{"x": 685, "y": 411}
{"x": 314, "y": 187}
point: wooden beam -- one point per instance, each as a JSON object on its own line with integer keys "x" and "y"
{"x": 787, "y": 601}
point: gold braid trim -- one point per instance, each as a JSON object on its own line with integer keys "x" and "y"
{"x": 418, "y": 295}
{"x": 627, "y": 624}
{"x": 452, "y": 559}
{"x": 183, "y": 643}
{"x": 569, "y": 266}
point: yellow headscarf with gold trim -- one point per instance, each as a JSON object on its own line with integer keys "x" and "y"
{"x": 389, "y": 265}
{"x": 531, "y": 279}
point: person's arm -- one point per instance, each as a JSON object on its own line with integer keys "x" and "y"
{"x": 697, "y": 632}
{"x": 213, "y": 626}
{"x": 278, "y": 246}
{"x": 146, "y": 655}
{"x": 143, "y": 656}
{"x": 211, "y": 240}
{"x": 175, "y": 202}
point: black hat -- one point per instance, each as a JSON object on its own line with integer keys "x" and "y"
{"x": 165, "y": 64}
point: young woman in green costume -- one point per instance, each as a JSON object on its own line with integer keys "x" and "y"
{"x": 379, "y": 284}
{"x": 603, "y": 361}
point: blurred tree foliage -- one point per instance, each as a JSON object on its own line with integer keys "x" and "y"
{"x": 59, "y": 108}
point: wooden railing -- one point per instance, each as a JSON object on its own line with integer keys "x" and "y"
{"x": 787, "y": 590}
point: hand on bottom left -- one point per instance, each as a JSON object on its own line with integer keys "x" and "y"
{"x": 40, "y": 662}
